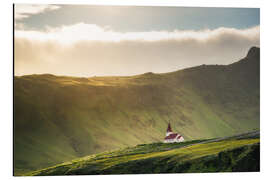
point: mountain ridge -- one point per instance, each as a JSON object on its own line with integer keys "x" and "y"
{"x": 254, "y": 51}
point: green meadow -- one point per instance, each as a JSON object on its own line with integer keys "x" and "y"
{"x": 60, "y": 118}
{"x": 226, "y": 155}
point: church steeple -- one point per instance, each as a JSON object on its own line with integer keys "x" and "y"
{"x": 169, "y": 130}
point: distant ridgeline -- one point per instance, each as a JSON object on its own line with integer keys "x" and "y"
{"x": 58, "y": 118}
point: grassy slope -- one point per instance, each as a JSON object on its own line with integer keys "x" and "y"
{"x": 231, "y": 154}
{"x": 60, "y": 118}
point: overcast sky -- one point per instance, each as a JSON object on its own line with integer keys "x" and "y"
{"x": 119, "y": 40}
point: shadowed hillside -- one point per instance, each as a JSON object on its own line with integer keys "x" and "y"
{"x": 59, "y": 118}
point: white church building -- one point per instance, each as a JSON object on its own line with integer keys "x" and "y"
{"x": 172, "y": 137}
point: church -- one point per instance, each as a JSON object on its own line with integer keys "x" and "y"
{"x": 172, "y": 137}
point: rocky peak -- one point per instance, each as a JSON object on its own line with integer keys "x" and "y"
{"x": 254, "y": 52}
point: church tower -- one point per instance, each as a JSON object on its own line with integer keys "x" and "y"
{"x": 169, "y": 130}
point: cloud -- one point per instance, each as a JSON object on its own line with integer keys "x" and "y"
{"x": 88, "y": 50}
{"x": 25, "y": 10}
{"x": 92, "y": 32}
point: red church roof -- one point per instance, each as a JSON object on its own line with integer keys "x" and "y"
{"x": 169, "y": 129}
{"x": 172, "y": 136}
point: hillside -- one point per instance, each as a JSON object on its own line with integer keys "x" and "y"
{"x": 59, "y": 118}
{"x": 233, "y": 154}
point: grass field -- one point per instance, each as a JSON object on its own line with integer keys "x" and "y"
{"x": 227, "y": 155}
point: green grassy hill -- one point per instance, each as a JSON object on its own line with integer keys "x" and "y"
{"x": 59, "y": 118}
{"x": 234, "y": 154}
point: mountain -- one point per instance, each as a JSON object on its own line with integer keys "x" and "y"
{"x": 59, "y": 118}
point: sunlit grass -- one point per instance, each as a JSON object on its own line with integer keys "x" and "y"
{"x": 157, "y": 153}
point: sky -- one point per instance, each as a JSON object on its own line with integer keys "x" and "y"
{"x": 87, "y": 40}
